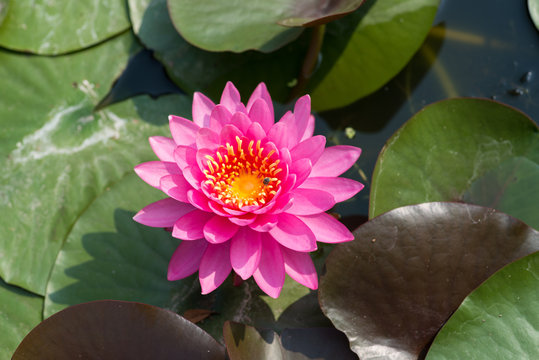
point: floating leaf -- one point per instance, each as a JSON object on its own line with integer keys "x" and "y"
{"x": 3, "y": 10}
{"x": 117, "y": 330}
{"x": 20, "y": 311}
{"x": 392, "y": 289}
{"x": 533, "y": 7}
{"x": 439, "y": 153}
{"x": 215, "y": 25}
{"x": 194, "y": 69}
{"x": 499, "y": 320}
{"x": 56, "y": 27}
{"x": 365, "y": 50}
{"x": 313, "y": 13}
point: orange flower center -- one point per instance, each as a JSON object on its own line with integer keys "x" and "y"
{"x": 242, "y": 175}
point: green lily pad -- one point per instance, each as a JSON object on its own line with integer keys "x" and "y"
{"x": 57, "y": 27}
{"x": 194, "y": 69}
{"x": 533, "y": 7}
{"x": 3, "y": 10}
{"x": 499, "y": 320}
{"x": 439, "y": 154}
{"x": 215, "y": 25}
{"x": 314, "y": 13}
{"x": 118, "y": 330}
{"x": 365, "y": 50}
{"x": 408, "y": 270}
{"x": 20, "y": 311}
{"x": 58, "y": 155}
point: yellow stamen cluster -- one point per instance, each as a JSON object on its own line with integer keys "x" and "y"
{"x": 242, "y": 175}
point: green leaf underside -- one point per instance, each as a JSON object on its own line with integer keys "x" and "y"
{"x": 385, "y": 38}
{"x": 237, "y": 27}
{"x": 312, "y": 13}
{"x": 440, "y": 152}
{"x": 20, "y": 311}
{"x": 410, "y": 268}
{"x": 42, "y": 27}
{"x": 499, "y": 320}
{"x": 118, "y": 330}
{"x": 194, "y": 69}
{"x": 533, "y": 8}
{"x": 245, "y": 342}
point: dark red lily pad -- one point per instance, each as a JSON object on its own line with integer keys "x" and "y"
{"x": 313, "y": 13}
{"x": 408, "y": 270}
{"x": 117, "y": 330}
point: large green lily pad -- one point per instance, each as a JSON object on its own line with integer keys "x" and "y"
{"x": 194, "y": 69}
{"x": 365, "y": 50}
{"x": 215, "y": 25}
{"x": 118, "y": 330}
{"x": 56, "y": 27}
{"x": 58, "y": 155}
{"x": 20, "y": 311}
{"x": 499, "y": 320}
{"x": 441, "y": 152}
{"x": 3, "y": 10}
{"x": 408, "y": 270}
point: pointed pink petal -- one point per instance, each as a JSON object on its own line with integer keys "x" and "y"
{"x": 341, "y": 188}
{"x": 309, "y": 131}
{"x": 264, "y": 223}
{"x": 241, "y": 121}
{"x": 198, "y": 200}
{"x": 261, "y": 92}
{"x": 293, "y": 233}
{"x": 214, "y": 267}
{"x": 162, "y": 213}
{"x": 302, "y": 113}
{"x": 243, "y": 220}
{"x": 310, "y": 202}
{"x": 220, "y": 116}
{"x": 152, "y": 171}
{"x": 245, "y": 250}
{"x": 327, "y": 229}
{"x": 202, "y": 108}
{"x": 283, "y": 134}
{"x": 261, "y": 114}
{"x": 282, "y": 204}
{"x": 186, "y": 259}
{"x": 270, "y": 272}
{"x": 207, "y": 139}
{"x": 163, "y": 147}
{"x": 302, "y": 169}
{"x": 191, "y": 225}
{"x": 255, "y": 132}
{"x": 335, "y": 160}
{"x": 229, "y": 133}
{"x": 175, "y": 186}
{"x": 193, "y": 176}
{"x": 231, "y": 99}
{"x": 217, "y": 208}
{"x": 184, "y": 156}
{"x": 218, "y": 229}
{"x": 300, "y": 267}
{"x": 310, "y": 149}
{"x": 183, "y": 131}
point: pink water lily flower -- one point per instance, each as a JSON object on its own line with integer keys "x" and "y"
{"x": 245, "y": 193}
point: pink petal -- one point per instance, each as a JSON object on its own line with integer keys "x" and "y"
{"x": 243, "y": 220}
{"x": 229, "y": 134}
{"x": 152, "y": 171}
{"x": 302, "y": 169}
{"x": 220, "y": 116}
{"x": 214, "y": 267}
{"x": 291, "y": 232}
{"x": 260, "y": 113}
{"x": 261, "y": 92}
{"x": 219, "y": 229}
{"x": 184, "y": 156}
{"x": 270, "y": 272}
{"x": 162, "y": 213}
{"x": 231, "y": 99}
{"x": 202, "y": 158}
{"x": 311, "y": 149}
{"x": 163, "y": 147}
{"x": 283, "y": 135}
{"x": 202, "y": 109}
{"x": 198, "y": 200}
{"x": 341, "y": 188}
{"x": 327, "y": 229}
{"x": 175, "y": 186}
{"x": 310, "y": 202}
{"x": 302, "y": 113}
{"x": 264, "y": 223}
{"x": 255, "y": 132}
{"x": 241, "y": 121}
{"x": 309, "y": 131}
{"x": 217, "y": 209}
{"x": 207, "y": 139}
{"x": 283, "y": 203}
{"x": 191, "y": 225}
{"x": 335, "y": 160}
{"x": 183, "y": 131}
{"x": 300, "y": 267}
{"x": 245, "y": 250}
{"x": 186, "y": 259}
{"x": 193, "y": 176}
